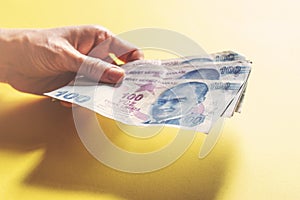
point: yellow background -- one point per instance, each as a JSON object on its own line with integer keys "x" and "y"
{"x": 258, "y": 154}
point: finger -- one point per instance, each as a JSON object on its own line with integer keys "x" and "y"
{"x": 132, "y": 56}
{"x": 124, "y": 50}
{"x": 99, "y": 42}
{"x": 100, "y": 71}
{"x": 120, "y": 48}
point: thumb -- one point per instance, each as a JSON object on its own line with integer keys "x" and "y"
{"x": 99, "y": 70}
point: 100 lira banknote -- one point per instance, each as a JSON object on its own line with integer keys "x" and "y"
{"x": 226, "y": 65}
{"x": 188, "y": 92}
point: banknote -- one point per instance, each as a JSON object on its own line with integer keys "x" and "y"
{"x": 229, "y": 66}
{"x": 192, "y": 104}
{"x": 191, "y": 92}
{"x": 237, "y": 70}
{"x": 224, "y": 56}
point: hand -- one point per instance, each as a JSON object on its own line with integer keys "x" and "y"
{"x": 41, "y": 60}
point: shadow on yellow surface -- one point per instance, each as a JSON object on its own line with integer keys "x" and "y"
{"x": 66, "y": 164}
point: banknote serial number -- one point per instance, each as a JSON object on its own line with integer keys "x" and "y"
{"x": 230, "y": 69}
{"x": 229, "y": 57}
{"x": 73, "y": 96}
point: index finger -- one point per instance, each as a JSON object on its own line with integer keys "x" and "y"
{"x": 124, "y": 50}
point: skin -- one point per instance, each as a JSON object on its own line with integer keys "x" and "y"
{"x": 41, "y": 60}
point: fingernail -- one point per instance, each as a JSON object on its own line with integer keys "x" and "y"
{"x": 115, "y": 74}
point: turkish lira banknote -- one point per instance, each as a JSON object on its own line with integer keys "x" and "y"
{"x": 225, "y": 65}
{"x": 191, "y": 92}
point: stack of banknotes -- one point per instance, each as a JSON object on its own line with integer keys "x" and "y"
{"x": 190, "y": 92}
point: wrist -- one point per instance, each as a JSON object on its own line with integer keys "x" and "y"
{"x": 8, "y": 41}
{"x": 4, "y": 43}
{"x": 3, "y": 66}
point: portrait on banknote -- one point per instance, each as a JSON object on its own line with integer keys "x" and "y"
{"x": 180, "y": 105}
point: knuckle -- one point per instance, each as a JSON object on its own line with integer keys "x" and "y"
{"x": 101, "y": 32}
